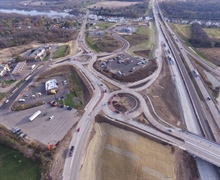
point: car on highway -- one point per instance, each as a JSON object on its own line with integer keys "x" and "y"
{"x": 6, "y": 101}
{"x": 169, "y": 130}
{"x": 78, "y": 129}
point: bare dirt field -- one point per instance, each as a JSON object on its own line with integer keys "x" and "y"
{"x": 114, "y": 153}
{"x": 112, "y": 4}
{"x": 143, "y": 53}
{"x": 164, "y": 97}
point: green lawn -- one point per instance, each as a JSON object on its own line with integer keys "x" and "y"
{"x": 8, "y": 82}
{"x": 143, "y": 39}
{"x": 104, "y": 25}
{"x": 184, "y": 31}
{"x": 13, "y": 166}
{"x": 62, "y": 51}
{"x": 90, "y": 43}
{"x": 2, "y": 95}
{"x": 213, "y": 32}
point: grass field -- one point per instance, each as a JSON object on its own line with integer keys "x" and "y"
{"x": 62, "y": 51}
{"x": 143, "y": 39}
{"x": 183, "y": 31}
{"x": 104, "y": 43}
{"x": 2, "y": 95}
{"x": 104, "y": 25}
{"x": 213, "y": 32}
{"x": 13, "y": 166}
{"x": 8, "y": 82}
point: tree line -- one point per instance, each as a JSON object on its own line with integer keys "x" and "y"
{"x": 20, "y": 30}
{"x": 199, "y": 37}
{"x": 133, "y": 11}
{"x": 199, "y": 9}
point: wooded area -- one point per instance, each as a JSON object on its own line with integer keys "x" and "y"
{"x": 133, "y": 11}
{"x": 19, "y": 30}
{"x": 199, "y": 9}
{"x": 199, "y": 38}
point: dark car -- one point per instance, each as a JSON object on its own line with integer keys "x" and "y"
{"x": 69, "y": 108}
{"x": 61, "y": 106}
{"x": 24, "y": 135}
{"x": 116, "y": 111}
{"x": 71, "y": 151}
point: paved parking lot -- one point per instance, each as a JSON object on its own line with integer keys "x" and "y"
{"x": 125, "y": 63}
{"x": 39, "y": 87}
{"x": 42, "y": 129}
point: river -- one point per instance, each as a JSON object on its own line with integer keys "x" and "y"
{"x": 52, "y": 14}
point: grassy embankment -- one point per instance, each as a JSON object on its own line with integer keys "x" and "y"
{"x": 15, "y": 166}
{"x": 105, "y": 43}
{"x": 2, "y": 95}
{"x": 210, "y": 55}
{"x": 75, "y": 97}
{"x": 183, "y": 31}
{"x": 62, "y": 51}
{"x": 104, "y": 25}
{"x": 9, "y": 82}
{"x": 142, "y": 40}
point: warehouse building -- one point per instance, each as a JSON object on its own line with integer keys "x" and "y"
{"x": 19, "y": 68}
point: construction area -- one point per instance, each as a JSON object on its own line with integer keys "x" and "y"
{"x": 120, "y": 154}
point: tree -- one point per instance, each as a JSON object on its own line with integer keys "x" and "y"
{"x": 18, "y": 59}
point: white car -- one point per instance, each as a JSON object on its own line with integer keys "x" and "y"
{"x": 6, "y": 101}
{"x": 21, "y": 100}
{"x": 51, "y": 117}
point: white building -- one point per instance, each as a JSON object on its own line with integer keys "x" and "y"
{"x": 51, "y": 86}
{"x": 92, "y": 17}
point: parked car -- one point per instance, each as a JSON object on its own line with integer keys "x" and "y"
{"x": 6, "y": 101}
{"x": 24, "y": 135}
{"x": 68, "y": 108}
{"x": 21, "y": 100}
{"x": 51, "y": 117}
{"x": 78, "y": 129}
{"x": 15, "y": 130}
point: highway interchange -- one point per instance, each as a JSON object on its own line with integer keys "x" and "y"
{"x": 200, "y": 139}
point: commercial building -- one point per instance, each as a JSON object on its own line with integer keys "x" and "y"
{"x": 18, "y": 68}
{"x": 51, "y": 86}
